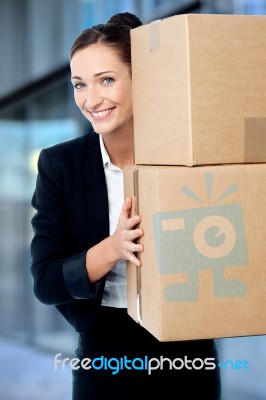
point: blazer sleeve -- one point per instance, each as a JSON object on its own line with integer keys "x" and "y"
{"x": 59, "y": 275}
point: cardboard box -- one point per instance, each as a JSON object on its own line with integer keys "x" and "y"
{"x": 199, "y": 90}
{"x": 203, "y": 272}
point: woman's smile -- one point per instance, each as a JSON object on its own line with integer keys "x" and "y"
{"x": 102, "y": 114}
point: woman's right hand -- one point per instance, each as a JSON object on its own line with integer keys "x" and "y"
{"x": 102, "y": 257}
{"x": 126, "y": 233}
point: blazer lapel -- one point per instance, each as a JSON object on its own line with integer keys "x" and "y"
{"x": 96, "y": 190}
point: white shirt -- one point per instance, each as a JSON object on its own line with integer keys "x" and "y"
{"x": 115, "y": 291}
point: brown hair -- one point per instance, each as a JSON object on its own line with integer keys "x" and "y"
{"x": 115, "y": 34}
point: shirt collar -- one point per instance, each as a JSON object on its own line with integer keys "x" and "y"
{"x": 105, "y": 156}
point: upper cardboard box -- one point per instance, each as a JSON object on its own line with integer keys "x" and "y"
{"x": 199, "y": 90}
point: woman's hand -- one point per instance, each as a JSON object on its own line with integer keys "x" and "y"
{"x": 126, "y": 233}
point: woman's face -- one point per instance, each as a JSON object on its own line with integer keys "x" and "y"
{"x": 102, "y": 88}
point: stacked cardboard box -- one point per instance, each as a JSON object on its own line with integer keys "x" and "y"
{"x": 199, "y": 97}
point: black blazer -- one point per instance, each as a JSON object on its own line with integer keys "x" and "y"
{"x": 71, "y": 216}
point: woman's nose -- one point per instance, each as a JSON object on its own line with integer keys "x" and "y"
{"x": 93, "y": 99}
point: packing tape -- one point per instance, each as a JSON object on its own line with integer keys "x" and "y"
{"x": 138, "y": 269}
{"x": 154, "y": 35}
{"x": 254, "y": 139}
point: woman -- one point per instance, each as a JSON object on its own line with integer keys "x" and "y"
{"x": 84, "y": 234}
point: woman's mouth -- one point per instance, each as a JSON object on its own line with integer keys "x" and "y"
{"x": 98, "y": 115}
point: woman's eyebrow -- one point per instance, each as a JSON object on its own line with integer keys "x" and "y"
{"x": 104, "y": 72}
{"x": 95, "y": 75}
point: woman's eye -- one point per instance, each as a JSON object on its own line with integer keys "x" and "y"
{"x": 79, "y": 85}
{"x": 107, "y": 81}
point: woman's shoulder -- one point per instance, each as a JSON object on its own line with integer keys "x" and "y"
{"x": 74, "y": 146}
{"x": 72, "y": 155}
{"x": 73, "y": 149}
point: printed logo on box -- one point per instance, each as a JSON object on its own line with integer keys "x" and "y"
{"x": 206, "y": 237}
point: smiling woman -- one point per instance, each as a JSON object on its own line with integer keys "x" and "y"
{"x": 83, "y": 234}
{"x": 102, "y": 90}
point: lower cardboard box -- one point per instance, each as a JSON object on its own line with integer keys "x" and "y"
{"x": 203, "y": 272}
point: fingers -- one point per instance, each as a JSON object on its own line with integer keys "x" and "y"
{"x": 130, "y": 223}
{"x": 133, "y": 234}
{"x": 130, "y": 252}
{"x": 126, "y": 208}
{"x": 133, "y": 259}
{"x": 127, "y": 204}
{"x": 127, "y": 233}
{"x": 133, "y": 247}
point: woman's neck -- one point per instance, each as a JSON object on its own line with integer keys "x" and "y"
{"x": 120, "y": 148}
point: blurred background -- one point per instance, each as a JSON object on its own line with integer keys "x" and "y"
{"x": 37, "y": 110}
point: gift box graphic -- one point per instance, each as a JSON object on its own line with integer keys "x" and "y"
{"x": 200, "y": 238}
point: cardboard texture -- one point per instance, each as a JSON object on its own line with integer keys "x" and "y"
{"x": 199, "y": 90}
{"x": 203, "y": 272}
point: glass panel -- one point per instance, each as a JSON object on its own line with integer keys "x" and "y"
{"x": 39, "y": 122}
